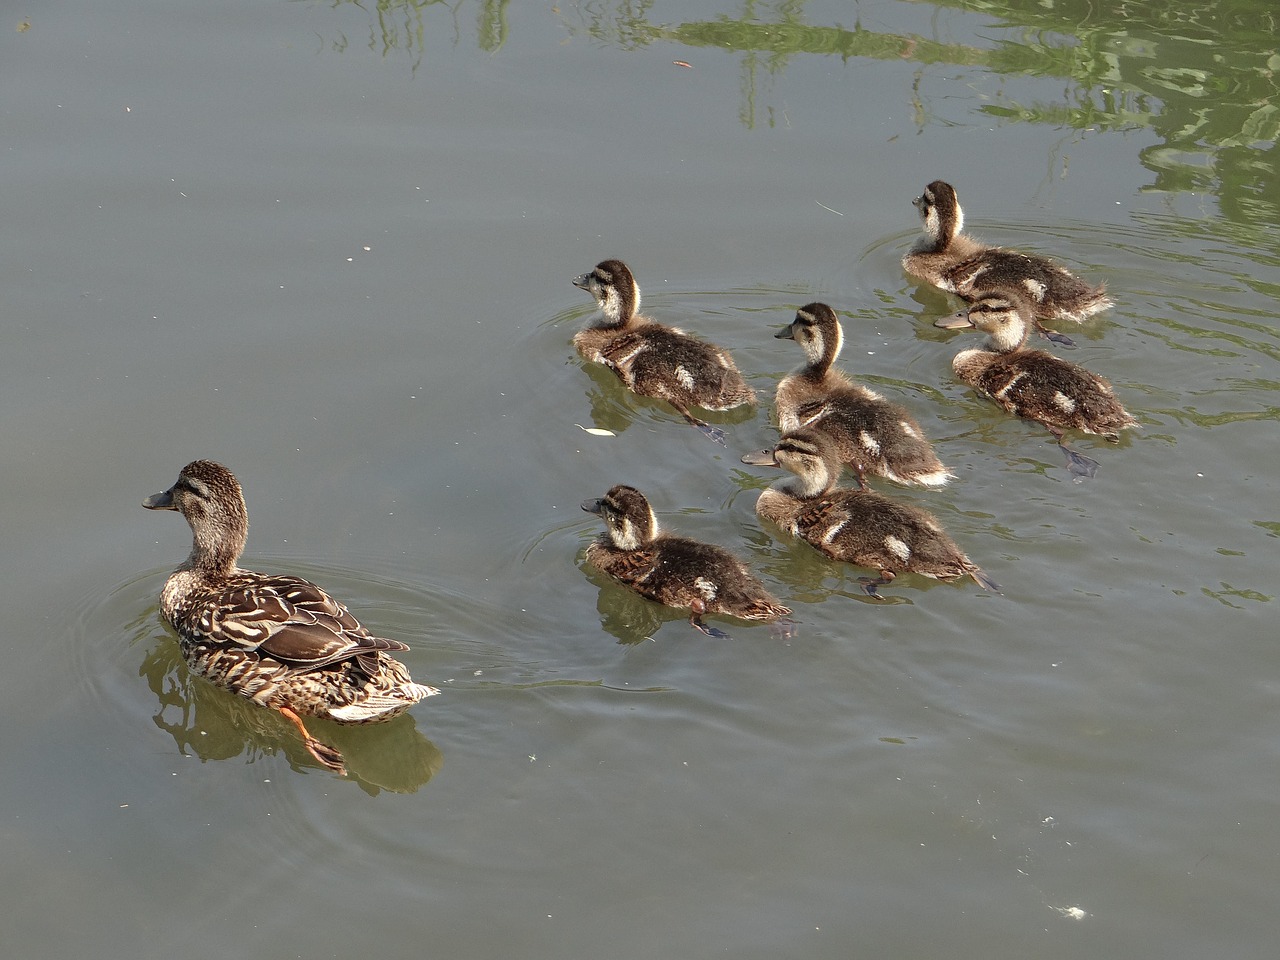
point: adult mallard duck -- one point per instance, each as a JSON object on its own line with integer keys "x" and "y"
{"x": 1032, "y": 383}
{"x": 868, "y": 433}
{"x": 655, "y": 360}
{"x": 856, "y": 526}
{"x": 959, "y": 264}
{"x": 675, "y": 571}
{"x": 278, "y": 640}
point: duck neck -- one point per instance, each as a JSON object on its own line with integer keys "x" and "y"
{"x": 619, "y": 306}
{"x": 822, "y": 352}
{"x": 806, "y": 486}
{"x": 214, "y": 553}
{"x": 1009, "y": 336}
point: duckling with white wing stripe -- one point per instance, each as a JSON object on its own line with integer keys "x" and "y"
{"x": 955, "y": 262}
{"x": 676, "y": 571}
{"x": 1034, "y": 384}
{"x": 855, "y": 526}
{"x": 653, "y": 359}
{"x": 867, "y": 432}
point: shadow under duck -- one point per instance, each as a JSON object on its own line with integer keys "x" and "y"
{"x": 959, "y": 264}
{"x": 855, "y": 526}
{"x": 1034, "y": 384}
{"x": 676, "y": 571}
{"x": 867, "y": 432}
{"x": 278, "y": 640}
{"x": 653, "y": 359}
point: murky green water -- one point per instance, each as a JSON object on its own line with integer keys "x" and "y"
{"x": 331, "y": 246}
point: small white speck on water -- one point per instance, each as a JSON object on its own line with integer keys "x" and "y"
{"x": 478, "y": 673}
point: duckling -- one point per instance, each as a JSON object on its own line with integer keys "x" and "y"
{"x": 867, "y": 431}
{"x": 959, "y": 264}
{"x": 1032, "y": 383}
{"x": 856, "y": 526}
{"x": 278, "y": 640}
{"x": 655, "y": 360}
{"x": 676, "y": 571}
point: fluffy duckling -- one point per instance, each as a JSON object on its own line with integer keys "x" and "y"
{"x": 855, "y": 526}
{"x": 959, "y": 264}
{"x": 278, "y": 640}
{"x": 676, "y": 571}
{"x": 655, "y": 360}
{"x": 868, "y": 433}
{"x": 1032, "y": 383}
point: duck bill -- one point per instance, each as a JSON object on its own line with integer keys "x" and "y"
{"x": 957, "y": 321}
{"x": 582, "y": 282}
{"x": 760, "y": 458}
{"x": 160, "y": 501}
{"x": 593, "y": 506}
{"x": 786, "y": 333}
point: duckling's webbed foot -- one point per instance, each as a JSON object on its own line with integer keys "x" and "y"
{"x": 705, "y": 628}
{"x": 327, "y": 755}
{"x": 869, "y": 584}
{"x": 695, "y": 618}
{"x": 712, "y": 433}
{"x": 1078, "y": 465}
{"x": 1053, "y": 336}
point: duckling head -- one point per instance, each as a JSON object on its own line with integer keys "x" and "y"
{"x": 628, "y": 518}
{"x": 940, "y": 212}
{"x": 614, "y": 289}
{"x": 817, "y": 330}
{"x": 808, "y": 455}
{"x": 209, "y": 497}
{"x": 1004, "y": 317}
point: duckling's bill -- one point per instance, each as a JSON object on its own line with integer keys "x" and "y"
{"x": 957, "y": 321}
{"x": 761, "y": 458}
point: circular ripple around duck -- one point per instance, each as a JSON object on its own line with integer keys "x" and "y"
{"x": 121, "y": 639}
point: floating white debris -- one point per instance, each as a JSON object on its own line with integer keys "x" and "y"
{"x": 1071, "y": 913}
{"x": 596, "y": 431}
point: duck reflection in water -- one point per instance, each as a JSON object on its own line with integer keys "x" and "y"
{"x": 212, "y": 724}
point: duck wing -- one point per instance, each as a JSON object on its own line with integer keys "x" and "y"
{"x": 290, "y": 620}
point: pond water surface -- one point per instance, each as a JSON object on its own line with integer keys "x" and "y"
{"x": 331, "y": 246}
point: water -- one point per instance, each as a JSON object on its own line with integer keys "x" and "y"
{"x": 332, "y": 245}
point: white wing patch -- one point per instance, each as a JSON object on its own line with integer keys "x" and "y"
{"x": 869, "y": 443}
{"x": 833, "y": 531}
{"x": 909, "y": 430}
{"x": 684, "y": 377}
{"x": 626, "y": 358}
{"x": 1036, "y": 289}
{"x": 1063, "y": 402}
{"x": 705, "y": 587}
{"x": 1013, "y": 381}
{"x": 898, "y": 548}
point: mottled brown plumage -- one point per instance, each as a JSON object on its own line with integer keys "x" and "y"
{"x": 959, "y": 264}
{"x": 675, "y": 571}
{"x": 856, "y": 526}
{"x": 279, "y": 641}
{"x": 1032, "y": 383}
{"x": 867, "y": 432}
{"x": 652, "y": 359}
